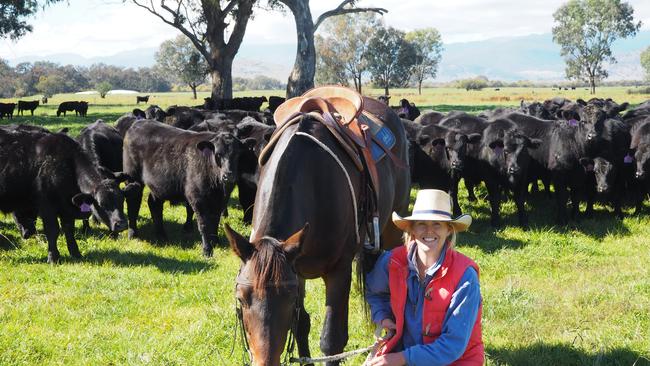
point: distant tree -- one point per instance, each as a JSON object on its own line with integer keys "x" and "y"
{"x": 585, "y": 31}
{"x": 428, "y": 52}
{"x": 50, "y": 85}
{"x": 477, "y": 83}
{"x": 645, "y": 62}
{"x": 301, "y": 78}
{"x": 205, "y": 23}
{"x": 103, "y": 88}
{"x": 390, "y": 58}
{"x": 7, "y": 76}
{"x": 14, "y": 14}
{"x": 179, "y": 59}
{"x": 342, "y": 54}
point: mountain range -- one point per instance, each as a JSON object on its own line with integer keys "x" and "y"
{"x": 533, "y": 57}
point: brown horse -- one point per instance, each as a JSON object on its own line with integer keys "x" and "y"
{"x": 304, "y": 228}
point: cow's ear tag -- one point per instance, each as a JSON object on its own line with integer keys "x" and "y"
{"x": 573, "y": 122}
{"x": 498, "y": 150}
{"x": 206, "y": 152}
{"x": 85, "y": 208}
{"x": 628, "y": 159}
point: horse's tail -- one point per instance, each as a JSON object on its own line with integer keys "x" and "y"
{"x": 365, "y": 262}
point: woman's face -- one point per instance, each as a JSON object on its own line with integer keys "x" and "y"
{"x": 430, "y": 234}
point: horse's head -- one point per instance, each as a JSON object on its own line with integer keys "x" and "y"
{"x": 268, "y": 291}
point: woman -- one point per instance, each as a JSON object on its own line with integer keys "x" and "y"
{"x": 427, "y": 292}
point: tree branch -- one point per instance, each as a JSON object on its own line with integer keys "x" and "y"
{"x": 341, "y": 9}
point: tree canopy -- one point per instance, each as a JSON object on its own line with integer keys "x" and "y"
{"x": 390, "y": 58}
{"x": 585, "y": 31}
{"x": 428, "y": 52}
{"x": 645, "y": 62}
{"x": 14, "y": 14}
{"x": 182, "y": 63}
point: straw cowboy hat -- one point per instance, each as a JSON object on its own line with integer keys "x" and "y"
{"x": 432, "y": 205}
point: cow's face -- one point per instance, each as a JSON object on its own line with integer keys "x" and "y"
{"x": 223, "y": 151}
{"x": 456, "y": 146}
{"x": 517, "y": 156}
{"x": 108, "y": 205}
{"x": 434, "y": 148}
{"x": 604, "y": 172}
{"x": 593, "y": 114}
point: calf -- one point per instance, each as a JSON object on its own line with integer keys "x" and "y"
{"x": 51, "y": 174}
{"x": 180, "y": 166}
{"x": 126, "y": 121}
{"x": 72, "y": 106}
{"x": 640, "y": 148}
{"x": 7, "y": 109}
{"x": 275, "y": 102}
{"x": 27, "y": 106}
{"x": 609, "y": 182}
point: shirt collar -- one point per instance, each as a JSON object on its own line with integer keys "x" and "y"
{"x": 431, "y": 270}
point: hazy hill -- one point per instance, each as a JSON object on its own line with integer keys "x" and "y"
{"x": 532, "y": 57}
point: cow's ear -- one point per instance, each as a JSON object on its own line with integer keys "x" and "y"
{"x": 131, "y": 188}
{"x": 423, "y": 140}
{"x": 240, "y": 245}
{"x": 84, "y": 201}
{"x": 623, "y": 106}
{"x": 249, "y": 143}
{"x": 121, "y": 177}
{"x": 474, "y": 138}
{"x": 534, "y": 143}
{"x": 438, "y": 142}
{"x": 496, "y": 143}
{"x": 586, "y": 162}
{"x": 461, "y": 138}
{"x": 581, "y": 102}
{"x": 206, "y": 148}
{"x": 293, "y": 245}
{"x": 63, "y": 130}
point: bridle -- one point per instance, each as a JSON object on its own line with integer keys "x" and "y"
{"x": 291, "y": 283}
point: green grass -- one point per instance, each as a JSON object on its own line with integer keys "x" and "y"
{"x": 578, "y": 295}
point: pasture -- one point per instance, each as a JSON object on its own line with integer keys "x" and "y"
{"x": 576, "y": 295}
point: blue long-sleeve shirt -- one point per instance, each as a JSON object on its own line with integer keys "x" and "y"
{"x": 459, "y": 319}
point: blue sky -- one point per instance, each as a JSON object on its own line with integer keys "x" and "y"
{"x": 105, "y": 27}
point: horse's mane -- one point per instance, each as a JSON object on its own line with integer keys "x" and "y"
{"x": 267, "y": 263}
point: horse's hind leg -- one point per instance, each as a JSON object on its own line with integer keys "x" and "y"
{"x": 304, "y": 325}
{"x": 334, "y": 335}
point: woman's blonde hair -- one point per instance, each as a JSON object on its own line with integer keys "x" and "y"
{"x": 408, "y": 238}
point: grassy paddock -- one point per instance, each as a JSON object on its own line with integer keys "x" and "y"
{"x": 552, "y": 296}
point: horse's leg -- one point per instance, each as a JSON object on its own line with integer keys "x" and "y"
{"x": 304, "y": 325}
{"x": 334, "y": 335}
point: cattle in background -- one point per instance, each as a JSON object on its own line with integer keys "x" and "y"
{"x": 183, "y": 117}
{"x": 274, "y": 103}
{"x": 407, "y": 110}
{"x": 27, "y": 106}
{"x": 536, "y": 109}
{"x": 144, "y": 99}
{"x": 80, "y": 108}
{"x": 252, "y": 104}
{"x": 58, "y": 179}
{"x": 384, "y": 99}
{"x": 182, "y": 167}
{"x": 155, "y": 112}
{"x": 7, "y": 109}
{"x": 640, "y": 149}
{"x": 44, "y": 100}
{"x": 429, "y": 118}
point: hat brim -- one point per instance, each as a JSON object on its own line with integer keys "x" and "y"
{"x": 461, "y": 223}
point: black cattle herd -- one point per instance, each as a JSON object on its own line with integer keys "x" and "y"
{"x": 196, "y": 155}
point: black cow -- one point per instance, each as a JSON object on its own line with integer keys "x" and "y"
{"x": 274, "y": 103}
{"x": 180, "y": 166}
{"x": 430, "y": 117}
{"x": 640, "y": 148}
{"x": 144, "y": 99}
{"x": 80, "y": 108}
{"x": 537, "y": 109}
{"x": 27, "y": 106}
{"x": 126, "y": 121}
{"x": 7, "y": 109}
{"x": 408, "y": 110}
{"x": 183, "y": 117}
{"x": 51, "y": 174}
{"x": 242, "y": 103}
{"x": 44, "y": 100}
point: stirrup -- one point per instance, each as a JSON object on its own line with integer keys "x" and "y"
{"x": 376, "y": 245}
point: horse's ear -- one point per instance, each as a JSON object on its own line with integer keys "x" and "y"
{"x": 240, "y": 245}
{"x": 293, "y": 245}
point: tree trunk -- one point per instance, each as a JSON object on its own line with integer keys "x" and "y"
{"x": 301, "y": 78}
{"x": 222, "y": 78}
{"x": 359, "y": 85}
{"x": 386, "y": 89}
{"x": 193, "y": 87}
{"x": 592, "y": 83}
{"x": 419, "y": 87}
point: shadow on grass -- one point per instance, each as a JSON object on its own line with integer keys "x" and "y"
{"x": 8, "y": 241}
{"x": 128, "y": 259}
{"x": 547, "y": 354}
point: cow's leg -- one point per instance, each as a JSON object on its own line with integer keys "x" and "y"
{"x": 26, "y": 222}
{"x": 156, "y": 209}
{"x": 494, "y": 192}
{"x": 189, "y": 213}
{"x": 334, "y": 335}
{"x": 453, "y": 192}
{"x": 133, "y": 202}
{"x": 67, "y": 224}
{"x": 207, "y": 221}
{"x": 561, "y": 197}
{"x": 51, "y": 229}
{"x": 469, "y": 185}
{"x": 304, "y": 326}
{"x": 520, "y": 200}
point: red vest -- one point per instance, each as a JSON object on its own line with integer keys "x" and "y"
{"x": 437, "y": 298}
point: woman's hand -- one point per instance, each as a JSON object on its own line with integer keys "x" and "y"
{"x": 388, "y": 324}
{"x": 391, "y": 359}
